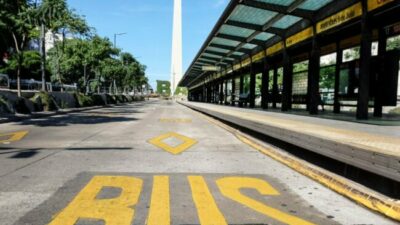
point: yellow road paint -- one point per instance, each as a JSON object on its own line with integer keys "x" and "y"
{"x": 386, "y": 206}
{"x": 207, "y": 209}
{"x": 12, "y": 137}
{"x": 230, "y": 188}
{"x": 115, "y": 211}
{"x": 186, "y": 143}
{"x": 160, "y": 202}
{"x": 170, "y": 120}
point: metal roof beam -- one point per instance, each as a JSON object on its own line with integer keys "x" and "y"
{"x": 286, "y": 10}
{"x": 219, "y": 54}
{"x": 205, "y": 62}
{"x": 240, "y": 39}
{"x": 230, "y": 48}
{"x": 210, "y": 58}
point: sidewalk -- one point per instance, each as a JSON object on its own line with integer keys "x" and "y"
{"x": 371, "y": 147}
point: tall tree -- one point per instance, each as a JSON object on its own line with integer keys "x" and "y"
{"x": 18, "y": 16}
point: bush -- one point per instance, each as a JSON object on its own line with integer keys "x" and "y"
{"x": 395, "y": 111}
{"x": 44, "y": 102}
{"x": 98, "y": 100}
{"x": 20, "y": 106}
{"x": 110, "y": 99}
{"x": 84, "y": 100}
{"x": 4, "y": 107}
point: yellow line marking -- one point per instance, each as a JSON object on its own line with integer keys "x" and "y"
{"x": 384, "y": 205}
{"x": 12, "y": 137}
{"x": 171, "y": 120}
{"x": 160, "y": 202}
{"x": 207, "y": 209}
{"x": 230, "y": 188}
{"x": 115, "y": 211}
{"x": 186, "y": 142}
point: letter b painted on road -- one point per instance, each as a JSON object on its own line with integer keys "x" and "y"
{"x": 114, "y": 211}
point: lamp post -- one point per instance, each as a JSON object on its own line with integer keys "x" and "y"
{"x": 115, "y": 38}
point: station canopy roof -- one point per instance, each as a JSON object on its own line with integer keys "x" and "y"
{"x": 247, "y": 25}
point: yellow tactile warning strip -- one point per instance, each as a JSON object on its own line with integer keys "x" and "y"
{"x": 160, "y": 142}
{"x": 375, "y": 143}
{"x": 366, "y": 197}
{"x": 12, "y": 137}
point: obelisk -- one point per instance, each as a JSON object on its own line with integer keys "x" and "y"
{"x": 176, "y": 60}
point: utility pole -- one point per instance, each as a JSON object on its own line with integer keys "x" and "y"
{"x": 115, "y": 38}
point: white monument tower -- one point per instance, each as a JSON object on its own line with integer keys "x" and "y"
{"x": 176, "y": 65}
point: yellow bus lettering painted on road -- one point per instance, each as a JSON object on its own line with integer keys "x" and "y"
{"x": 230, "y": 188}
{"x": 160, "y": 202}
{"x": 114, "y": 211}
{"x": 207, "y": 209}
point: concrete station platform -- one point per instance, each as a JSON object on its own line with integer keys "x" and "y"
{"x": 369, "y": 147}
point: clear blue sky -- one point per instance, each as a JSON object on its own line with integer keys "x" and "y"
{"x": 148, "y": 24}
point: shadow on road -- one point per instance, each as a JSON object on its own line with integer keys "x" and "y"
{"x": 20, "y": 153}
{"x": 73, "y": 119}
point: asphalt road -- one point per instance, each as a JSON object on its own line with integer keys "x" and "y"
{"x": 155, "y": 163}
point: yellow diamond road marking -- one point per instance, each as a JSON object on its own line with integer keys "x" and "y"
{"x": 12, "y": 137}
{"x": 160, "y": 142}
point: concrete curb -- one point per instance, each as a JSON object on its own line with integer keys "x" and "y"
{"x": 21, "y": 117}
{"x": 349, "y": 189}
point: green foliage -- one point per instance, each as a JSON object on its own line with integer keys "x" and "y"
{"x": 85, "y": 57}
{"x": 45, "y": 101}
{"x": 163, "y": 88}
{"x": 181, "y": 91}
{"x": 30, "y": 65}
{"x": 84, "y": 100}
{"x": 393, "y": 43}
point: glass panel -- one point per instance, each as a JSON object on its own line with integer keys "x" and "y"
{"x": 277, "y": 2}
{"x": 211, "y": 55}
{"x": 393, "y": 43}
{"x": 300, "y": 81}
{"x": 280, "y": 80}
{"x": 249, "y": 46}
{"x": 271, "y": 81}
{"x": 351, "y": 54}
{"x": 223, "y": 41}
{"x": 217, "y": 49}
{"x": 235, "y": 31}
{"x": 300, "y": 67}
{"x": 327, "y": 60}
{"x": 263, "y": 36}
{"x": 258, "y": 89}
{"x": 251, "y": 15}
{"x": 314, "y": 4}
{"x": 238, "y": 53}
{"x": 344, "y": 81}
{"x": 286, "y": 22}
{"x": 327, "y": 84}
{"x": 237, "y": 88}
{"x": 246, "y": 84}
